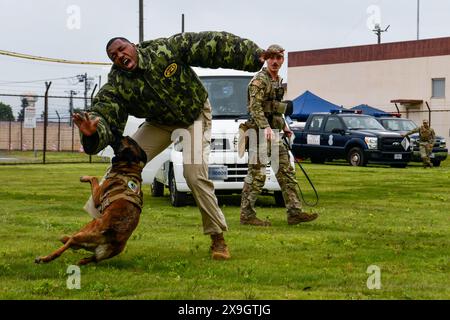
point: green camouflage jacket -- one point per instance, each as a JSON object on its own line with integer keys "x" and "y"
{"x": 164, "y": 88}
{"x": 425, "y": 135}
{"x": 263, "y": 90}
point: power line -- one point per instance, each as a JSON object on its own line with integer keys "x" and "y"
{"x": 31, "y": 81}
{"x": 39, "y": 58}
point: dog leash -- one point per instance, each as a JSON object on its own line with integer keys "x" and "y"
{"x": 286, "y": 143}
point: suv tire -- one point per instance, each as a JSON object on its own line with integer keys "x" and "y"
{"x": 157, "y": 188}
{"x": 355, "y": 157}
{"x": 177, "y": 199}
{"x": 279, "y": 200}
{"x": 436, "y": 163}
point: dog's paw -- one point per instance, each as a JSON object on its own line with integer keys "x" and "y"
{"x": 38, "y": 260}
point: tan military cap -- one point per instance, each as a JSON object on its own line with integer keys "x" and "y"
{"x": 275, "y": 49}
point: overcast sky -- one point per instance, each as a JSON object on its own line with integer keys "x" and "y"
{"x": 79, "y": 30}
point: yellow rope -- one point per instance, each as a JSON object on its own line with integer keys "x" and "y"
{"x": 30, "y": 57}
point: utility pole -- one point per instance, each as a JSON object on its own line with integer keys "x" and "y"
{"x": 87, "y": 85}
{"x": 182, "y": 23}
{"x": 72, "y": 93}
{"x": 418, "y": 18}
{"x": 378, "y": 31}
{"x": 141, "y": 20}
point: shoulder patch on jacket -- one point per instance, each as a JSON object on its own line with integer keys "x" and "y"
{"x": 170, "y": 70}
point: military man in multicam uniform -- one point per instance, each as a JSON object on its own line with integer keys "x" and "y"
{"x": 265, "y": 93}
{"x": 426, "y": 142}
{"x": 154, "y": 80}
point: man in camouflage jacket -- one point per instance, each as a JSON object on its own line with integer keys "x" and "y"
{"x": 154, "y": 80}
{"x": 426, "y": 142}
{"x": 265, "y": 93}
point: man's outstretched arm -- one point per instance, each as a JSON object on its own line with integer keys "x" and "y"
{"x": 95, "y": 125}
{"x": 212, "y": 49}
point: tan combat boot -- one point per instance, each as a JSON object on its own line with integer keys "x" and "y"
{"x": 219, "y": 248}
{"x": 254, "y": 221}
{"x": 301, "y": 217}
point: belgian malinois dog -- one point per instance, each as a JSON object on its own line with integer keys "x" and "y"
{"x": 119, "y": 200}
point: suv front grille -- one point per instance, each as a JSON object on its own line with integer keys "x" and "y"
{"x": 392, "y": 144}
{"x": 238, "y": 171}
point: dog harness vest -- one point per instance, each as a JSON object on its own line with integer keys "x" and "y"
{"x": 123, "y": 186}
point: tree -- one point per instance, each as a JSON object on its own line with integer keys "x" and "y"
{"x": 6, "y": 113}
{"x": 21, "y": 115}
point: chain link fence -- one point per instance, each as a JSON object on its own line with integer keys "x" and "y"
{"x": 49, "y": 137}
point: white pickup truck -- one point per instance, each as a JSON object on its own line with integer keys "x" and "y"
{"x": 227, "y": 90}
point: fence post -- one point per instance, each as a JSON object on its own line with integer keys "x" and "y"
{"x": 92, "y": 97}
{"x": 47, "y": 87}
{"x": 73, "y": 128}
{"x": 59, "y": 130}
{"x": 34, "y": 146}
{"x": 21, "y": 135}
{"x": 9, "y": 139}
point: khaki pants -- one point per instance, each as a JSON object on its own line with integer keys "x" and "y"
{"x": 154, "y": 138}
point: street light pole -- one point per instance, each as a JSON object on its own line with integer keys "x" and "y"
{"x": 418, "y": 19}
{"x": 141, "y": 20}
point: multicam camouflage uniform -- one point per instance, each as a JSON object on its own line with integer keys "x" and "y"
{"x": 426, "y": 142}
{"x": 262, "y": 91}
{"x": 165, "y": 90}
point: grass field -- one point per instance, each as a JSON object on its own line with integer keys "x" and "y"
{"x": 31, "y": 157}
{"x": 396, "y": 219}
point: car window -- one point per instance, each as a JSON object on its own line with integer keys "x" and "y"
{"x": 316, "y": 123}
{"x": 333, "y": 123}
{"x": 362, "y": 122}
{"x": 398, "y": 124}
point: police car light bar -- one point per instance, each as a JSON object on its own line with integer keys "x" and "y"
{"x": 345, "y": 111}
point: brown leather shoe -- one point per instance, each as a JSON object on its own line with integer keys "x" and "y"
{"x": 219, "y": 248}
{"x": 254, "y": 221}
{"x": 301, "y": 217}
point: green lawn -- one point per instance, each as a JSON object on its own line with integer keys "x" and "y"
{"x": 396, "y": 219}
{"x": 31, "y": 157}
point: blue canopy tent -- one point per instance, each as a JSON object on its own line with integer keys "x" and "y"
{"x": 366, "y": 109}
{"x": 308, "y": 102}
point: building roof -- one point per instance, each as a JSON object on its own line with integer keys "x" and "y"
{"x": 375, "y": 52}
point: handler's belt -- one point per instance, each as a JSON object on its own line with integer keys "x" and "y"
{"x": 274, "y": 107}
{"x": 126, "y": 187}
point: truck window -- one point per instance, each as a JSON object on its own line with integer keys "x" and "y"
{"x": 333, "y": 123}
{"x": 362, "y": 122}
{"x": 399, "y": 124}
{"x": 316, "y": 123}
{"x": 227, "y": 95}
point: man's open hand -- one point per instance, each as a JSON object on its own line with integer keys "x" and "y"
{"x": 87, "y": 126}
{"x": 268, "y": 133}
{"x": 287, "y": 132}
